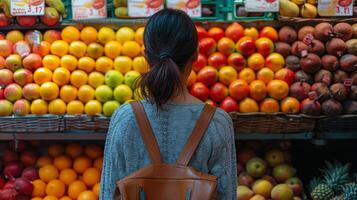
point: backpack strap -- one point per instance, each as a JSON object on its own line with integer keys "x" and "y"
{"x": 146, "y": 132}
{"x": 197, "y": 134}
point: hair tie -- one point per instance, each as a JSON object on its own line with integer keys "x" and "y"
{"x": 164, "y": 56}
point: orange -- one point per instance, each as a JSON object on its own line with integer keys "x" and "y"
{"x": 61, "y": 76}
{"x": 65, "y": 198}
{"x": 248, "y": 105}
{"x": 38, "y": 107}
{"x": 256, "y": 61}
{"x": 55, "y": 150}
{"x": 57, "y": 107}
{"x": 112, "y": 49}
{"x": 105, "y": 35}
{"x": 49, "y": 91}
{"x": 270, "y": 33}
{"x": 96, "y": 189}
{"x": 278, "y": 89}
{"x": 93, "y": 107}
{"x": 139, "y": 35}
{"x": 96, "y": 79}
{"x": 103, "y": 64}
{"x": 43, "y": 160}
{"x": 39, "y": 188}
{"x": 62, "y": 162}
{"x": 48, "y": 173}
{"x": 14, "y": 36}
{"x": 91, "y": 176}
{"x": 86, "y": 64}
{"x": 41, "y": 49}
{"x": 68, "y": 93}
{"x": 95, "y": 50}
{"x": 69, "y": 62}
{"x": 266, "y": 75}
{"x": 78, "y": 48}
{"x": 275, "y": 61}
{"x": 42, "y": 75}
{"x": 239, "y": 89}
{"x": 125, "y": 34}
{"x": 269, "y": 105}
{"x": 75, "y": 189}
{"x": 227, "y": 75}
{"x": 70, "y": 34}
{"x": 140, "y": 64}
{"x": 191, "y": 79}
{"x": 56, "y": 188}
{"x": 59, "y": 48}
{"x": 78, "y": 78}
{"x": 87, "y": 195}
{"x": 123, "y": 64}
{"x": 247, "y": 74}
{"x": 263, "y": 188}
{"x": 93, "y": 151}
{"x": 50, "y": 198}
{"x": 36, "y": 198}
{"x": 74, "y": 150}
{"x": 68, "y": 176}
{"x": 75, "y": 108}
{"x": 290, "y": 105}
{"x": 85, "y": 93}
{"x": 131, "y": 49}
{"x": 51, "y": 62}
{"x": 89, "y": 34}
{"x": 251, "y": 32}
{"x": 81, "y": 164}
{"x": 257, "y": 90}
{"x": 98, "y": 163}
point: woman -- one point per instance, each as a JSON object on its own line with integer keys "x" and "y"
{"x": 171, "y": 45}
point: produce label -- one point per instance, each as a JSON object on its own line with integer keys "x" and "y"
{"x": 335, "y": 7}
{"x": 89, "y": 9}
{"x": 191, "y": 7}
{"x": 144, "y": 8}
{"x": 27, "y": 7}
{"x": 261, "y": 5}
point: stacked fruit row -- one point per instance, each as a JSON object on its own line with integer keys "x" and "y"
{"x": 268, "y": 177}
{"x": 53, "y": 10}
{"x": 62, "y": 173}
{"x": 71, "y": 71}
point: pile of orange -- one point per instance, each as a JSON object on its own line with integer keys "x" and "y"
{"x": 70, "y": 172}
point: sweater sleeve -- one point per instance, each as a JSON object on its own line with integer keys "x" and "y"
{"x": 113, "y": 154}
{"x": 222, "y": 163}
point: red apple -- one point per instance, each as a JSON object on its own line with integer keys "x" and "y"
{"x": 295, "y": 185}
{"x": 246, "y": 46}
{"x": 200, "y": 91}
{"x": 32, "y": 61}
{"x": 201, "y": 32}
{"x": 10, "y": 156}
{"x": 245, "y": 179}
{"x": 208, "y": 75}
{"x": 28, "y": 158}
{"x": 51, "y": 17}
{"x": 200, "y": 63}
{"x": 4, "y": 21}
{"x": 229, "y": 105}
{"x": 237, "y": 61}
{"x": 245, "y": 154}
{"x": 207, "y": 46}
{"x": 226, "y": 46}
{"x": 51, "y": 36}
{"x": 234, "y": 31}
{"x": 2, "y": 92}
{"x": 264, "y": 46}
{"x": 218, "y": 92}
{"x": 5, "y": 48}
{"x": 26, "y": 20}
{"x": 216, "y": 33}
{"x": 210, "y": 102}
{"x": 286, "y": 75}
{"x": 23, "y": 76}
{"x": 217, "y": 60}
{"x": 5, "y": 77}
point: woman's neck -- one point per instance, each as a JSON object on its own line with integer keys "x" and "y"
{"x": 184, "y": 97}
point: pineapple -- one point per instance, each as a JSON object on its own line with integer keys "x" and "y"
{"x": 335, "y": 176}
{"x": 350, "y": 191}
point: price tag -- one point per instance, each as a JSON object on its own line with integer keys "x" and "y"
{"x": 192, "y": 7}
{"x": 312, "y": 95}
{"x": 261, "y": 5}
{"x": 144, "y": 8}
{"x": 27, "y": 8}
{"x": 348, "y": 83}
{"x": 89, "y": 9}
{"x": 308, "y": 39}
{"x": 335, "y": 7}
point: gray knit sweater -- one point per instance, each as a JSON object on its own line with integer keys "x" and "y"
{"x": 125, "y": 151}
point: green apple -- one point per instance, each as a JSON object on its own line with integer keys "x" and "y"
{"x": 131, "y": 77}
{"x": 109, "y": 107}
{"x": 123, "y": 93}
{"x": 113, "y": 78}
{"x": 103, "y": 93}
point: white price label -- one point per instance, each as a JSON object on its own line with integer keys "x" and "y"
{"x": 89, "y": 9}
{"x": 261, "y": 5}
{"x": 27, "y": 7}
{"x": 144, "y": 8}
{"x": 335, "y": 7}
{"x": 192, "y": 7}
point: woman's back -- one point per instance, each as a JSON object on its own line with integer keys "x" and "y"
{"x": 172, "y": 125}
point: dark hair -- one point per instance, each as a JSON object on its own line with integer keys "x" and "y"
{"x": 170, "y": 40}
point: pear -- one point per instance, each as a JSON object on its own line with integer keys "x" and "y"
{"x": 308, "y": 11}
{"x": 244, "y": 193}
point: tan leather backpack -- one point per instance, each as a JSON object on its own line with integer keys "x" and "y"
{"x": 160, "y": 181}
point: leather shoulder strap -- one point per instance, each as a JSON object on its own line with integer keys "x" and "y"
{"x": 146, "y": 132}
{"x": 196, "y": 136}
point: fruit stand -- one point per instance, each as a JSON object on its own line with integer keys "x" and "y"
{"x": 285, "y": 71}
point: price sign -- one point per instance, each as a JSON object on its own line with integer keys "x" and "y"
{"x": 144, "y": 8}
{"x": 261, "y": 5}
{"x": 192, "y": 7}
{"x": 89, "y": 9}
{"x": 27, "y": 8}
{"x": 335, "y": 7}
